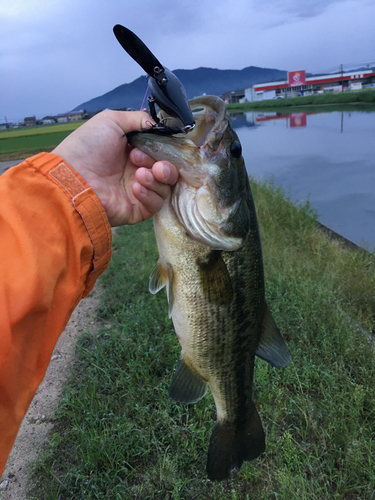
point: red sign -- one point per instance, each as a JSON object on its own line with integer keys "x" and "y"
{"x": 296, "y": 78}
{"x": 298, "y": 120}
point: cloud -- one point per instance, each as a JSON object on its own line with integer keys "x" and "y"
{"x": 302, "y": 8}
{"x": 56, "y": 54}
{"x": 27, "y": 11}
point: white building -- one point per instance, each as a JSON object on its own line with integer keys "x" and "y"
{"x": 298, "y": 84}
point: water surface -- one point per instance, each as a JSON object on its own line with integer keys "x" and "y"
{"x": 326, "y": 157}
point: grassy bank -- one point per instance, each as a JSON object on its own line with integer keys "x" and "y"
{"x": 117, "y": 435}
{"x": 27, "y": 141}
{"x": 364, "y": 98}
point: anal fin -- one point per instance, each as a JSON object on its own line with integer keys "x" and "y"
{"x": 187, "y": 385}
{"x": 272, "y": 347}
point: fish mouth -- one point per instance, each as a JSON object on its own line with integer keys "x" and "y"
{"x": 190, "y": 151}
{"x": 199, "y": 156}
{"x": 208, "y": 111}
{"x": 209, "y": 114}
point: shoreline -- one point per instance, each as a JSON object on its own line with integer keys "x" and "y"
{"x": 364, "y": 98}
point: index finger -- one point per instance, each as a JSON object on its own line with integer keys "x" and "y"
{"x": 130, "y": 120}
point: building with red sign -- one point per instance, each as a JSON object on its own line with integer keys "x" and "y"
{"x": 298, "y": 83}
{"x": 296, "y": 78}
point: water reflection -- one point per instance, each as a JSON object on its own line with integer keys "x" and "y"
{"x": 328, "y": 157}
{"x": 291, "y": 119}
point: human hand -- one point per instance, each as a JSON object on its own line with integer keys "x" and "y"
{"x": 131, "y": 186}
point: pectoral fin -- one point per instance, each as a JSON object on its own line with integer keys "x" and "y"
{"x": 272, "y": 347}
{"x": 187, "y": 385}
{"x": 160, "y": 277}
{"x": 215, "y": 279}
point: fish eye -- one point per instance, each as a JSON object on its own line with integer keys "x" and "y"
{"x": 236, "y": 149}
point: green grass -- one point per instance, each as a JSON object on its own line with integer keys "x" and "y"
{"x": 117, "y": 435}
{"x": 29, "y": 140}
{"x": 43, "y": 129}
{"x": 364, "y": 98}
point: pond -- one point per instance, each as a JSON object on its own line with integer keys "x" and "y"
{"x": 328, "y": 158}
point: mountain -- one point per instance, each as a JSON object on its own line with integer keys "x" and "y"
{"x": 196, "y": 82}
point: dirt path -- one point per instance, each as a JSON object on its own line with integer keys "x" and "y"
{"x": 39, "y": 420}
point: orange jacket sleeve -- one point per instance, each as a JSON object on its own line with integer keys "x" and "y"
{"x": 55, "y": 240}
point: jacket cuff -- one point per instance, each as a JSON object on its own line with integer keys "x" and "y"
{"x": 88, "y": 206}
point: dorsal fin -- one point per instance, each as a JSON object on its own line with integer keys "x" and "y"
{"x": 272, "y": 347}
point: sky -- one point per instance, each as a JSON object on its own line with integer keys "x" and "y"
{"x": 57, "y": 54}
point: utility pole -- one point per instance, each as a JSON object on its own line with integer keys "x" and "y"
{"x": 342, "y": 79}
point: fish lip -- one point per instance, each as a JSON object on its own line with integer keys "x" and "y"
{"x": 160, "y": 130}
{"x": 205, "y": 137}
{"x": 209, "y": 106}
{"x": 179, "y": 150}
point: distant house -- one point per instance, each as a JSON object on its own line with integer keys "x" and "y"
{"x": 3, "y": 126}
{"x": 30, "y": 121}
{"x": 63, "y": 118}
{"x": 75, "y": 116}
{"x": 48, "y": 120}
{"x": 234, "y": 96}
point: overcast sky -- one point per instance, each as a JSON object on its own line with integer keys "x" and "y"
{"x": 56, "y": 54}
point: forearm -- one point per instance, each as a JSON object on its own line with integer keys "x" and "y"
{"x": 55, "y": 241}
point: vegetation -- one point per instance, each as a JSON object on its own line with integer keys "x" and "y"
{"x": 43, "y": 129}
{"x": 118, "y": 436}
{"x": 26, "y": 141}
{"x": 361, "y": 97}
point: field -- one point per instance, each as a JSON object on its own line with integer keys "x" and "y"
{"x": 19, "y": 143}
{"x": 118, "y": 436}
{"x": 365, "y": 99}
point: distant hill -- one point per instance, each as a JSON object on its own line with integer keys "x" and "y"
{"x": 196, "y": 82}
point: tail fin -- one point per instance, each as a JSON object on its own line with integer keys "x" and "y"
{"x": 231, "y": 446}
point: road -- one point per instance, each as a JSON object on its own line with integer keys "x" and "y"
{"x": 4, "y": 165}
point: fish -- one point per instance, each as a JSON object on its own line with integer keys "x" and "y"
{"x": 210, "y": 261}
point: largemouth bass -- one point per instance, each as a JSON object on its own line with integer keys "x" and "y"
{"x": 211, "y": 264}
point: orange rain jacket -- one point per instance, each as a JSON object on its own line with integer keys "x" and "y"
{"x": 55, "y": 240}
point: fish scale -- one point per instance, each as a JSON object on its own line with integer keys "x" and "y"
{"x": 210, "y": 261}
